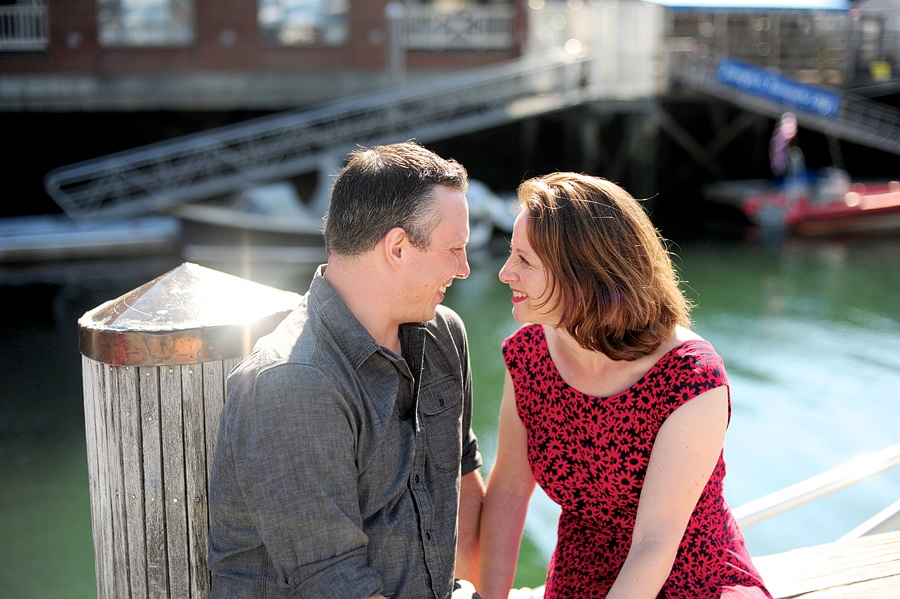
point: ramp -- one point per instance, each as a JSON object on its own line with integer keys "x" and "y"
{"x": 203, "y": 165}
{"x": 832, "y": 112}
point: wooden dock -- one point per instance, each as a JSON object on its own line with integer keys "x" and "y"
{"x": 864, "y": 568}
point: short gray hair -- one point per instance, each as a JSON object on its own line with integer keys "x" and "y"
{"x": 385, "y": 187}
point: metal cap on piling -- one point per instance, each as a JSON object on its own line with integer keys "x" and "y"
{"x": 191, "y": 314}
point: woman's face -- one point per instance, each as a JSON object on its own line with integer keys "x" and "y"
{"x": 525, "y": 275}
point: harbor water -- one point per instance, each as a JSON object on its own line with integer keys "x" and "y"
{"x": 809, "y": 332}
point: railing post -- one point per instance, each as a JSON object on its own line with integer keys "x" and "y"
{"x": 395, "y": 18}
{"x": 154, "y": 366}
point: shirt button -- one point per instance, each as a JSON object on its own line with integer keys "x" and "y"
{"x": 417, "y": 479}
{"x": 428, "y": 536}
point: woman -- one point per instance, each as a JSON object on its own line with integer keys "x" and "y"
{"x": 613, "y": 406}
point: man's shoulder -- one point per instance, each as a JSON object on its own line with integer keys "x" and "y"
{"x": 445, "y": 317}
{"x": 294, "y": 342}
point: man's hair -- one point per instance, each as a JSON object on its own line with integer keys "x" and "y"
{"x": 608, "y": 269}
{"x": 385, "y": 187}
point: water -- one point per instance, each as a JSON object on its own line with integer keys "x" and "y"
{"x": 810, "y": 335}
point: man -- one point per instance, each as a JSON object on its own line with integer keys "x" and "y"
{"x": 345, "y": 449}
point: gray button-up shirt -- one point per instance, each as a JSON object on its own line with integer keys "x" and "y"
{"x": 338, "y": 463}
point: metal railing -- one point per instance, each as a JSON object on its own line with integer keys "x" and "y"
{"x": 23, "y": 28}
{"x": 474, "y": 28}
{"x": 213, "y": 162}
{"x": 823, "y": 484}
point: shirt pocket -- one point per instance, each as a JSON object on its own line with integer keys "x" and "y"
{"x": 441, "y": 406}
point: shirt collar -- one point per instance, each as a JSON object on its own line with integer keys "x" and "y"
{"x": 355, "y": 341}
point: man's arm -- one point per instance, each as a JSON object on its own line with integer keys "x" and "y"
{"x": 471, "y": 497}
{"x": 296, "y": 470}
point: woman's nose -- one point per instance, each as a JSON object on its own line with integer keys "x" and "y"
{"x": 505, "y": 274}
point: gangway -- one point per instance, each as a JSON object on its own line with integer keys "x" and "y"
{"x": 203, "y": 165}
{"x": 835, "y": 113}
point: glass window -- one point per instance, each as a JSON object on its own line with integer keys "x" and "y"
{"x": 303, "y": 22}
{"x": 146, "y": 22}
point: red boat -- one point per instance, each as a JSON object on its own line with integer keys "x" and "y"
{"x": 823, "y": 205}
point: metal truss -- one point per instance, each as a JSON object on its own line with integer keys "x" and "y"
{"x": 207, "y": 164}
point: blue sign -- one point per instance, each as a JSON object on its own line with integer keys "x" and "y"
{"x": 772, "y": 86}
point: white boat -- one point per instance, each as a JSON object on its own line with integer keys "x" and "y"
{"x": 272, "y": 220}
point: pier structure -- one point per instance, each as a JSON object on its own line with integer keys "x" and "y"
{"x": 611, "y": 74}
{"x": 621, "y": 71}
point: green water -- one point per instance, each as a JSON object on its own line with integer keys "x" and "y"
{"x": 810, "y": 335}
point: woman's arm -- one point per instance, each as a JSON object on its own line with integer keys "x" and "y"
{"x": 509, "y": 490}
{"x": 684, "y": 455}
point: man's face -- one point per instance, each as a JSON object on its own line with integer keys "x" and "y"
{"x": 434, "y": 269}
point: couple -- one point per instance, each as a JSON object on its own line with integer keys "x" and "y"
{"x": 346, "y": 465}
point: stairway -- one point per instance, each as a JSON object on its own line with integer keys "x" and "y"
{"x": 210, "y": 163}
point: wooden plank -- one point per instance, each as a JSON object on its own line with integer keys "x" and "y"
{"x": 173, "y": 481}
{"x": 195, "y": 477}
{"x": 880, "y": 588}
{"x": 93, "y": 404}
{"x": 154, "y": 499}
{"x": 214, "y": 374}
{"x": 115, "y": 481}
{"x": 133, "y": 479}
{"x": 793, "y": 573}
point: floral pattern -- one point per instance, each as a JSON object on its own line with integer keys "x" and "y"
{"x": 590, "y": 455}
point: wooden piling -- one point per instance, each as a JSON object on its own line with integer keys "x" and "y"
{"x": 154, "y": 367}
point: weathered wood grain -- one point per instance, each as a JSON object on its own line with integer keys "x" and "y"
{"x": 132, "y": 478}
{"x": 195, "y": 477}
{"x": 154, "y": 496}
{"x": 113, "y": 457}
{"x": 841, "y": 569}
{"x": 92, "y": 373}
{"x": 173, "y": 481}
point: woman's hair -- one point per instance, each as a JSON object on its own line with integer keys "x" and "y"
{"x": 385, "y": 187}
{"x": 609, "y": 271}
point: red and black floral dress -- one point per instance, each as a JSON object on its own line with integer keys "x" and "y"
{"x": 590, "y": 455}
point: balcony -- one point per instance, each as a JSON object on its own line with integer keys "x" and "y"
{"x": 476, "y": 28}
{"x": 24, "y": 28}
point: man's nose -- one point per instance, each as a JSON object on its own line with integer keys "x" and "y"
{"x": 462, "y": 269}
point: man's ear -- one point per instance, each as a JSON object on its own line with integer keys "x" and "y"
{"x": 395, "y": 246}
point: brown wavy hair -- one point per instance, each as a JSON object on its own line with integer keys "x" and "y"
{"x": 610, "y": 272}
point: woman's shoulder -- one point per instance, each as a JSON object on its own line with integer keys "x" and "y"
{"x": 693, "y": 354}
{"x": 526, "y": 334}
{"x": 525, "y": 344}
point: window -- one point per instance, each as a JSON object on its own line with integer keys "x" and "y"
{"x": 141, "y": 23}
{"x": 303, "y": 22}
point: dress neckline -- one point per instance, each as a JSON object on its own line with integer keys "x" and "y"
{"x": 639, "y": 382}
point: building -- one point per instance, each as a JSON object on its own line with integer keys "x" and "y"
{"x": 213, "y": 55}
